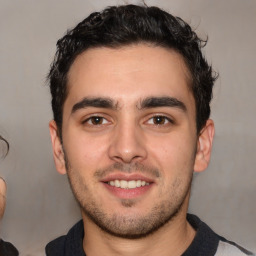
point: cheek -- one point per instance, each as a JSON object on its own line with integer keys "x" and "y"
{"x": 174, "y": 153}
{"x": 84, "y": 150}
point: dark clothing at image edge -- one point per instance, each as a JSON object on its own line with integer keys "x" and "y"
{"x": 7, "y": 249}
{"x": 206, "y": 242}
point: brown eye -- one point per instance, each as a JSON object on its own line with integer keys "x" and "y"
{"x": 96, "y": 120}
{"x": 159, "y": 120}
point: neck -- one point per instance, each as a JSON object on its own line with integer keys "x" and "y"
{"x": 171, "y": 239}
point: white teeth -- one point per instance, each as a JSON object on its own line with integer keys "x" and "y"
{"x": 123, "y": 184}
{"x": 128, "y": 184}
{"x": 138, "y": 183}
{"x": 132, "y": 184}
{"x": 117, "y": 183}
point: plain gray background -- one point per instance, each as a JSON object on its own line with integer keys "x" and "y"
{"x": 40, "y": 205}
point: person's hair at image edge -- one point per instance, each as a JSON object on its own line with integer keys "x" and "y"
{"x": 7, "y": 144}
{"x": 126, "y": 25}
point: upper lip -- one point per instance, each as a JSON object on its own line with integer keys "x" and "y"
{"x": 127, "y": 177}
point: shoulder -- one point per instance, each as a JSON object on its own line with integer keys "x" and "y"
{"x": 70, "y": 244}
{"x": 207, "y": 242}
{"x": 226, "y": 248}
{"x": 56, "y": 247}
{"x": 7, "y": 248}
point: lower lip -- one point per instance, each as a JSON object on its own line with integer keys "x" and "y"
{"x": 128, "y": 193}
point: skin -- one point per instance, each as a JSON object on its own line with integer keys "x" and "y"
{"x": 2, "y": 197}
{"x": 158, "y": 142}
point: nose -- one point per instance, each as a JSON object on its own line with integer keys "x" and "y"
{"x": 127, "y": 144}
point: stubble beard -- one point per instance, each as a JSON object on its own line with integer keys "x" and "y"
{"x": 130, "y": 227}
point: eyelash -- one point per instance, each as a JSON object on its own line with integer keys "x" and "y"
{"x": 166, "y": 120}
{"x": 103, "y": 121}
{"x": 91, "y": 118}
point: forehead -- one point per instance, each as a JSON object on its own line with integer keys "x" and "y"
{"x": 128, "y": 73}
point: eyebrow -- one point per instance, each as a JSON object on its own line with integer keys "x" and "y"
{"x": 94, "y": 102}
{"x": 150, "y": 102}
{"x": 154, "y": 102}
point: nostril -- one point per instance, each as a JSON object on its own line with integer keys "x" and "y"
{"x": 127, "y": 145}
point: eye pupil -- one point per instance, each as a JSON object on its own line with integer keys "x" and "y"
{"x": 159, "y": 120}
{"x": 96, "y": 120}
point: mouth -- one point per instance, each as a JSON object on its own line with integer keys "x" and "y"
{"x": 128, "y": 187}
{"x": 131, "y": 184}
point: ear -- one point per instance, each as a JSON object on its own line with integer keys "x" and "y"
{"x": 204, "y": 147}
{"x": 58, "y": 153}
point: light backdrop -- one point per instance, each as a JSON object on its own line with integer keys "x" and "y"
{"x": 40, "y": 205}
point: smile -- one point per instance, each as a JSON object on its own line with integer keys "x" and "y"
{"x": 128, "y": 184}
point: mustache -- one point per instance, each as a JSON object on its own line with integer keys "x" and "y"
{"x": 128, "y": 168}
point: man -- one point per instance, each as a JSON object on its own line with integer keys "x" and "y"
{"x": 130, "y": 96}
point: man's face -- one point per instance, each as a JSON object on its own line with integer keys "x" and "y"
{"x": 129, "y": 137}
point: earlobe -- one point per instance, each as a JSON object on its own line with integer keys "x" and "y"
{"x": 204, "y": 147}
{"x": 58, "y": 153}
